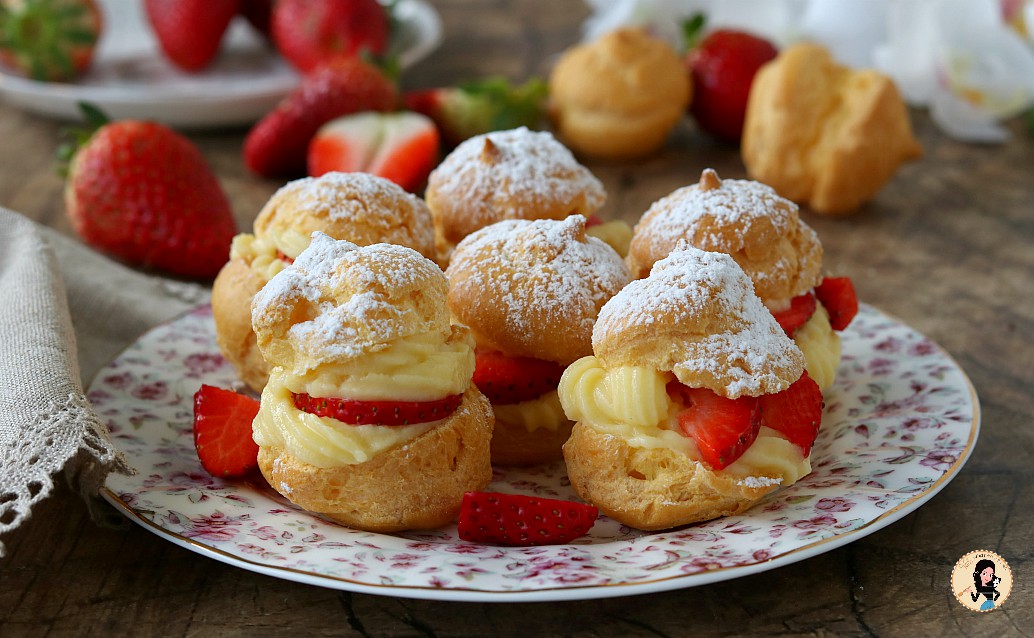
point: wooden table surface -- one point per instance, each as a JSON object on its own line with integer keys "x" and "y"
{"x": 946, "y": 247}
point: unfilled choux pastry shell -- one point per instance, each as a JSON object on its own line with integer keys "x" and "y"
{"x": 822, "y": 134}
{"x": 533, "y": 288}
{"x": 748, "y": 220}
{"x": 696, "y": 315}
{"x": 655, "y": 488}
{"x": 362, "y": 208}
{"x": 418, "y": 485}
{"x": 619, "y": 96}
{"x": 515, "y": 174}
{"x": 339, "y": 301}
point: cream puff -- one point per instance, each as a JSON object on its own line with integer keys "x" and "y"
{"x": 361, "y": 208}
{"x": 764, "y": 233}
{"x": 620, "y": 96}
{"x": 369, "y": 417}
{"x": 823, "y": 134}
{"x": 695, "y": 404}
{"x": 530, "y": 291}
{"x": 514, "y": 174}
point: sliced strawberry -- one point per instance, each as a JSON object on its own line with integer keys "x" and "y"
{"x": 838, "y": 296}
{"x": 222, "y": 431}
{"x": 593, "y": 220}
{"x": 282, "y": 256}
{"x": 278, "y": 144}
{"x": 801, "y": 309}
{"x": 401, "y": 147}
{"x": 378, "y": 412}
{"x": 492, "y": 104}
{"x": 722, "y": 428}
{"x": 514, "y": 519}
{"x": 506, "y": 379}
{"x": 796, "y": 412}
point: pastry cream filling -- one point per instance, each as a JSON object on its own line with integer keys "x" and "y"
{"x": 260, "y": 253}
{"x": 422, "y": 367}
{"x": 632, "y": 402}
{"x": 321, "y": 441}
{"x": 616, "y": 234}
{"x": 545, "y": 412}
{"x": 821, "y": 347}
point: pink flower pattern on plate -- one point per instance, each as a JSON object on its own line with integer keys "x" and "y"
{"x": 899, "y": 423}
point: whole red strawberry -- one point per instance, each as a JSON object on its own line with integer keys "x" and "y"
{"x": 49, "y": 40}
{"x": 308, "y": 32}
{"x": 190, "y": 31}
{"x": 723, "y": 67}
{"x": 143, "y": 193}
{"x": 278, "y": 144}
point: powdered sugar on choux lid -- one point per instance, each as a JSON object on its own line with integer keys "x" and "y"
{"x": 362, "y": 208}
{"x": 534, "y": 287}
{"x": 697, "y": 316}
{"x": 746, "y": 219}
{"x": 514, "y": 174}
{"x": 339, "y": 302}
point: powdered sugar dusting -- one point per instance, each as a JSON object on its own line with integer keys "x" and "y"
{"x": 346, "y": 195}
{"x": 539, "y": 267}
{"x": 723, "y": 329}
{"x": 756, "y": 482}
{"x": 353, "y": 299}
{"x": 532, "y": 164}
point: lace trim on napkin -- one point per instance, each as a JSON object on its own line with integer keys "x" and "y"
{"x": 65, "y": 430}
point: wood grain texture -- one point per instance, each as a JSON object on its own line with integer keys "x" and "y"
{"x": 946, "y": 246}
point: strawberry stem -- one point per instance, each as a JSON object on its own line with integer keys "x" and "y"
{"x": 692, "y": 31}
{"x": 76, "y": 137}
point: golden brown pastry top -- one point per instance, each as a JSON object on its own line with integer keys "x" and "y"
{"x": 697, "y": 316}
{"x": 748, "y": 220}
{"x": 338, "y": 302}
{"x": 362, "y": 208}
{"x": 533, "y": 288}
{"x": 515, "y": 174}
{"x": 626, "y": 72}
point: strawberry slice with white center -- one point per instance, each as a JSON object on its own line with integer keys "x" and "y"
{"x": 378, "y": 412}
{"x": 515, "y": 519}
{"x": 795, "y": 412}
{"x": 402, "y": 147}
{"x": 722, "y": 428}
{"x": 505, "y": 380}
{"x": 800, "y": 311}
{"x": 838, "y": 296}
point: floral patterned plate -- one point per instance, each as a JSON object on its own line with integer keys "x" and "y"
{"x": 899, "y": 423}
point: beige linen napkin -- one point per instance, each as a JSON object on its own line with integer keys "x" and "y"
{"x": 65, "y": 311}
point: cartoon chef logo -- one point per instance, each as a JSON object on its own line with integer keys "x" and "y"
{"x": 981, "y": 580}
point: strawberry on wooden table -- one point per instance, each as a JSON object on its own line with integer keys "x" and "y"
{"x": 144, "y": 193}
{"x": 222, "y": 431}
{"x": 401, "y": 147}
{"x": 480, "y": 107}
{"x": 49, "y": 40}
{"x": 506, "y": 380}
{"x": 518, "y": 520}
{"x": 722, "y": 67}
{"x": 277, "y": 146}
{"x": 309, "y": 32}
{"x": 190, "y": 31}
